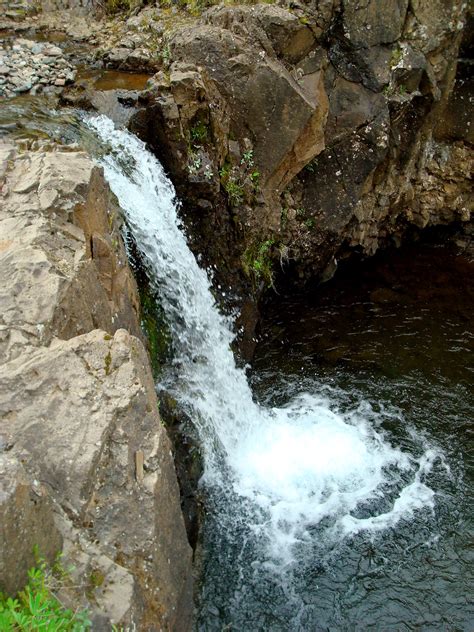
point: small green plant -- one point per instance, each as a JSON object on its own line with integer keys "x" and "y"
{"x": 310, "y": 223}
{"x": 241, "y": 181}
{"x": 199, "y": 133}
{"x": 224, "y": 171}
{"x": 234, "y": 191}
{"x": 194, "y": 163}
{"x": 37, "y": 607}
{"x": 165, "y": 54}
{"x": 247, "y": 158}
{"x": 257, "y": 262}
{"x": 402, "y": 90}
{"x": 255, "y": 178}
{"x": 115, "y": 6}
{"x": 396, "y": 57}
{"x": 311, "y": 166}
{"x": 208, "y": 173}
{"x": 232, "y": 186}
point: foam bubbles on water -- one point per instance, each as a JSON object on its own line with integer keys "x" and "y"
{"x": 304, "y": 463}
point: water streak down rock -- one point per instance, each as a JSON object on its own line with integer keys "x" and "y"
{"x": 85, "y": 460}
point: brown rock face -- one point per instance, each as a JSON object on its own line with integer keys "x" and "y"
{"x": 26, "y": 519}
{"x": 321, "y": 129}
{"x": 64, "y": 264}
{"x": 84, "y": 457}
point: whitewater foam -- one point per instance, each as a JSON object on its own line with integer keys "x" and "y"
{"x": 292, "y": 467}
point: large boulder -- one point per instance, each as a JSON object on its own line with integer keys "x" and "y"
{"x": 63, "y": 264}
{"x": 86, "y": 462}
{"x": 83, "y": 414}
{"x": 281, "y": 115}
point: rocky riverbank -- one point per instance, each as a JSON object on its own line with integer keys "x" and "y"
{"x": 34, "y": 67}
{"x": 85, "y": 460}
{"x": 297, "y": 135}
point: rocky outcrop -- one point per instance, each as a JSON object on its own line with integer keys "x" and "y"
{"x": 298, "y": 136}
{"x": 86, "y": 463}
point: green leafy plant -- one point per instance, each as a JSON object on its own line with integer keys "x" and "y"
{"x": 255, "y": 178}
{"x": 232, "y": 186}
{"x": 257, "y": 262}
{"x": 37, "y": 607}
{"x": 194, "y": 163}
{"x": 208, "y": 172}
{"x": 247, "y": 158}
{"x": 199, "y": 133}
{"x": 240, "y": 181}
{"x": 234, "y": 191}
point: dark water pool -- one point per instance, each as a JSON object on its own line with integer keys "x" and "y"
{"x": 396, "y": 331}
{"x": 392, "y": 337}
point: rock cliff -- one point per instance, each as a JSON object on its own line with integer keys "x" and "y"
{"x": 86, "y": 465}
{"x": 298, "y": 135}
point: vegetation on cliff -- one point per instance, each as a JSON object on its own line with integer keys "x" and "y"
{"x": 38, "y": 607}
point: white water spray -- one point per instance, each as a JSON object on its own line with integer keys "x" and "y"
{"x": 291, "y": 467}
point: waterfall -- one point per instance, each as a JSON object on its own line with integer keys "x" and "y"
{"x": 274, "y": 473}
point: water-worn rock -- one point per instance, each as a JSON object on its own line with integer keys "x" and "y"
{"x": 85, "y": 458}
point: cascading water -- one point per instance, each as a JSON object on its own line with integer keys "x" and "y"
{"x": 283, "y": 483}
